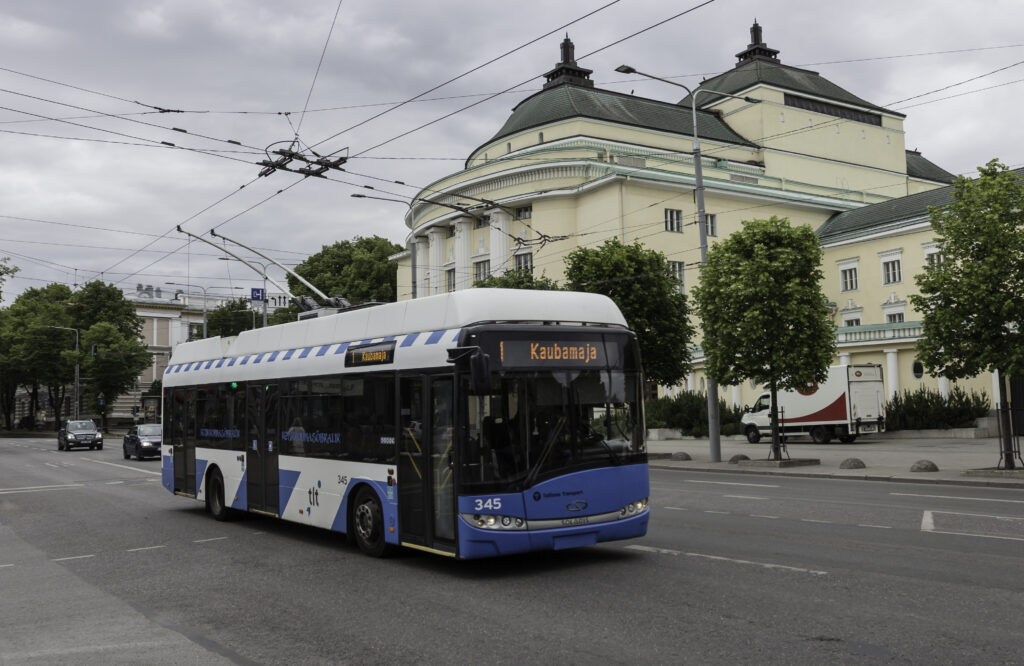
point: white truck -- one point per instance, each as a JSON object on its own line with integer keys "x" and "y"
{"x": 850, "y": 402}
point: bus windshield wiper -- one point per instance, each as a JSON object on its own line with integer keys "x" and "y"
{"x": 545, "y": 452}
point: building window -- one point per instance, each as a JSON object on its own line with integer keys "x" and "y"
{"x": 674, "y": 220}
{"x": 481, "y": 222}
{"x": 918, "y": 370}
{"x": 678, "y": 269}
{"x": 451, "y": 231}
{"x": 848, "y": 279}
{"x": 524, "y": 262}
{"x": 481, "y": 270}
{"x": 892, "y": 272}
{"x": 933, "y": 258}
{"x": 852, "y": 321}
{"x": 524, "y": 212}
{"x": 894, "y": 318}
{"x": 508, "y": 147}
{"x": 449, "y": 280}
{"x": 711, "y": 224}
{"x": 540, "y": 137}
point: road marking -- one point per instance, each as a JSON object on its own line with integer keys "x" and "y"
{"x": 114, "y": 483}
{"x": 877, "y": 527}
{"x": 754, "y": 515}
{"x": 4, "y": 566}
{"x": 812, "y": 520}
{"x": 51, "y": 465}
{"x": 928, "y": 525}
{"x": 927, "y": 522}
{"x": 749, "y": 497}
{"x": 135, "y": 550}
{"x": 953, "y": 497}
{"x": 728, "y": 483}
{"x": 76, "y": 557}
{"x": 765, "y": 565}
{"x": 205, "y": 540}
{"x": 38, "y": 489}
{"x": 676, "y": 508}
{"x": 134, "y": 469}
{"x": 722, "y": 512}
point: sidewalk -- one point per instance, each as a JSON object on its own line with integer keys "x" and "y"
{"x": 959, "y": 461}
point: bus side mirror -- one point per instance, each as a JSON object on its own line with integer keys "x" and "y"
{"x": 478, "y": 365}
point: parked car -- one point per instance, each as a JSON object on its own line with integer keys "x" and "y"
{"x": 79, "y": 433}
{"x": 143, "y": 441}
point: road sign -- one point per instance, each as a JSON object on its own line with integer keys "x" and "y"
{"x": 258, "y": 294}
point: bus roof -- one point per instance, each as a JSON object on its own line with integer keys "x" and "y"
{"x": 454, "y": 310}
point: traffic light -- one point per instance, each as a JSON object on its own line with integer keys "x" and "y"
{"x": 94, "y": 350}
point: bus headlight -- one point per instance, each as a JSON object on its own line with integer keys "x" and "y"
{"x": 633, "y": 508}
{"x": 486, "y": 522}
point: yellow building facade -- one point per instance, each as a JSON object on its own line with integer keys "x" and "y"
{"x": 574, "y": 166}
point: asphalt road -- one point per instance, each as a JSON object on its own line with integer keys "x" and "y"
{"x": 98, "y": 564}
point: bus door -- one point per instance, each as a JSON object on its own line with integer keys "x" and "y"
{"x": 426, "y": 463}
{"x": 183, "y": 448}
{"x": 261, "y": 447}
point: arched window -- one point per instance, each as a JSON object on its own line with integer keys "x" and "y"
{"x": 918, "y": 370}
{"x": 540, "y": 137}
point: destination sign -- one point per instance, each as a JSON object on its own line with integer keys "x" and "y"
{"x": 564, "y": 353}
{"x": 375, "y": 354}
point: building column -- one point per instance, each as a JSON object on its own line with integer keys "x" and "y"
{"x": 500, "y": 223}
{"x": 996, "y": 381}
{"x": 736, "y": 396}
{"x": 435, "y": 271}
{"x": 421, "y": 247}
{"x": 691, "y": 382}
{"x": 892, "y": 371}
{"x": 844, "y": 358}
{"x": 463, "y": 268}
{"x": 944, "y": 386}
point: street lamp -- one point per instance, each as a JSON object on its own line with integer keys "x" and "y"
{"x": 263, "y": 269}
{"x": 204, "y": 289}
{"x": 714, "y": 433}
{"x": 77, "y": 366}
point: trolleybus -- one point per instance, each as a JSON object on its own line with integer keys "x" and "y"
{"x": 470, "y": 424}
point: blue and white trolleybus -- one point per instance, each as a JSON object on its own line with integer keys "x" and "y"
{"x": 470, "y": 424}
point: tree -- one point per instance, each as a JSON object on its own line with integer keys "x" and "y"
{"x": 231, "y": 318}
{"x": 518, "y": 279}
{"x": 96, "y": 302}
{"x": 358, "y": 270}
{"x": 114, "y": 368}
{"x": 6, "y": 271}
{"x": 764, "y": 314}
{"x": 972, "y": 300}
{"x": 641, "y": 283}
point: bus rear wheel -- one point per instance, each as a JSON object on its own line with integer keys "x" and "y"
{"x": 368, "y": 523}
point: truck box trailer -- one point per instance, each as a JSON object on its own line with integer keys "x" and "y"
{"x": 849, "y": 403}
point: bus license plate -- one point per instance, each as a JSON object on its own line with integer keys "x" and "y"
{"x": 570, "y": 522}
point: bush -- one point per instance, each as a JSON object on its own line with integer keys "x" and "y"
{"x": 926, "y": 409}
{"x": 688, "y": 413}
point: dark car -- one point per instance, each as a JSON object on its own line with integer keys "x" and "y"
{"x": 143, "y": 441}
{"x": 79, "y": 433}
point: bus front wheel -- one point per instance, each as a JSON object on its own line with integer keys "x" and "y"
{"x": 368, "y": 523}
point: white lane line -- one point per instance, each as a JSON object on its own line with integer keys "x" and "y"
{"x": 729, "y": 483}
{"x": 928, "y": 525}
{"x": 954, "y": 497}
{"x": 205, "y": 540}
{"x": 876, "y": 527}
{"x": 39, "y": 489}
{"x": 721, "y": 512}
{"x": 51, "y": 465}
{"x": 765, "y": 565}
{"x": 76, "y": 557}
{"x": 754, "y": 515}
{"x": 927, "y": 522}
{"x": 135, "y": 550}
{"x": 812, "y": 520}
{"x": 676, "y": 508}
{"x": 4, "y": 566}
{"x": 134, "y": 469}
{"x": 749, "y": 497}
{"x": 113, "y": 483}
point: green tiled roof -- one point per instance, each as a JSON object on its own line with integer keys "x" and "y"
{"x": 768, "y": 71}
{"x": 919, "y": 167}
{"x": 570, "y": 101}
{"x": 887, "y": 215}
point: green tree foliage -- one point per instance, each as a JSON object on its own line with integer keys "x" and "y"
{"x": 642, "y": 285}
{"x": 764, "y": 314}
{"x": 231, "y": 318}
{"x": 96, "y": 302}
{"x": 115, "y": 367}
{"x": 972, "y": 301}
{"x": 358, "y": 270}
{"x": 6, "y": 271}
{"x": 518, "y": 279}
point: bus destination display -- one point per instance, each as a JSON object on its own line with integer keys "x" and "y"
{"x": 375, "y": 354}
{"x": 564, "y": 353}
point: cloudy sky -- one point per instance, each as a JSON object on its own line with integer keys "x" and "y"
{"x": 89, "y": 189}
